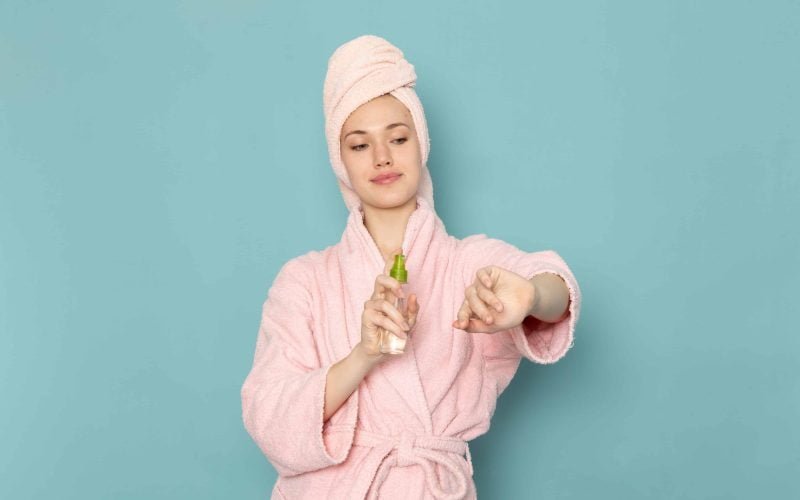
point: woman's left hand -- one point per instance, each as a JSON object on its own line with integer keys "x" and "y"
{"x": 497, "y": 300}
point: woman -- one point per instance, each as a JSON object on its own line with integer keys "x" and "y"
{"x": 335, "y": 416}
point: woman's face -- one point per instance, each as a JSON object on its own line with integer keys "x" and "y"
{"x": 379, "y": 139}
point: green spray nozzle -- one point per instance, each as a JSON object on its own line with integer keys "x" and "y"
{"x": 398, "y": 270}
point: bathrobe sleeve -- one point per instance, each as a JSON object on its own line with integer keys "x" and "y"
{"x": 283, "y": 396}
{"x": 535, "y": 340}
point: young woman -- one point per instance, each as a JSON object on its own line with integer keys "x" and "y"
{"x": 335, "y": 416}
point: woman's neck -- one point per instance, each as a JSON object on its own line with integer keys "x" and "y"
{"x": 387, "y": 226}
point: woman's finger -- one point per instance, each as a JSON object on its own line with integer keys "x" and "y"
{"x": 486, "y": 280}
{"x": 485, "y": 277}
{"x": 385, "y": 283}
{"x": 487, "y": 295}
{"x": 477, "y": 304}
{"x": 462, "y": 317}
{"x": 413, "y": 309}
{"x": 468, "y": 322}
{"x": 476, "y": 325}
{"x": 413, "y": 305}
{"x": 383, "y": 321}
{"x": 386, "y": 307}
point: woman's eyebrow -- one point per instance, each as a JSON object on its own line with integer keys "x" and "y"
{"x": 388, "y": 127}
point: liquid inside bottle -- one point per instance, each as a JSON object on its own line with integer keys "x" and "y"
{"x": 389, "y": 342}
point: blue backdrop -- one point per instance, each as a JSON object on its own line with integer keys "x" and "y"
{"x": 160, "y": 160}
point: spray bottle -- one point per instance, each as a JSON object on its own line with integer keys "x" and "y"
{"x": 389, "y": 342}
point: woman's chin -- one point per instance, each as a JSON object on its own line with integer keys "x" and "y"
{"x": 392, "y": 200}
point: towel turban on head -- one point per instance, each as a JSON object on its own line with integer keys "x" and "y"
{"x": 358, "y": 71}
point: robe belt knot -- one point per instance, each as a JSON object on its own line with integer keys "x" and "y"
{"x": 427, "y": 451}
{"x": 405, "y": 449}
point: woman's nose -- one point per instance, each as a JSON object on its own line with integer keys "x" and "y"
{"x": 382, "y": 156}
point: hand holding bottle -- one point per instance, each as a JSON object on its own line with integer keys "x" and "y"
{"x": 380, "y": 312}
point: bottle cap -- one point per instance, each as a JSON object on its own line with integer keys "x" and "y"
{"x": 398, "y": 270}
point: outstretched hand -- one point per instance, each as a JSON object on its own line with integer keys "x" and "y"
{"x": 498, "y": 299}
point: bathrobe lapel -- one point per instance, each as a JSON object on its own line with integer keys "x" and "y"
{"x": 361, "y": 261}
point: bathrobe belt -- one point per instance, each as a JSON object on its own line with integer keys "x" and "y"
{"x": 406, "y": 449}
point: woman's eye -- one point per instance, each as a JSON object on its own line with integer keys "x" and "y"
{"x": 359, "y": 147}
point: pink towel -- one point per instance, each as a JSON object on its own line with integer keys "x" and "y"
{"x": 403, "y": 433}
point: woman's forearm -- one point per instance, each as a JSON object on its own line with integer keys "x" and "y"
{"x": 344, "y": 377}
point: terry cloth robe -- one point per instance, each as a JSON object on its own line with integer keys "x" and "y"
{"x": 403, "y": 433}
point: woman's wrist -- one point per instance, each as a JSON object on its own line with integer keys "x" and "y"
{"x": 365, "y": 358}
{"x": 550, "y": 297}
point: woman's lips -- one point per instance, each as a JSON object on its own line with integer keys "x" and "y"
{"x": 387, "y": 180}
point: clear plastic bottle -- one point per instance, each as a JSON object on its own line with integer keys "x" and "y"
{"x": 389, "y": 342}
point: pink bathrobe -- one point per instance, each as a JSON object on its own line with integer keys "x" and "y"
{"x": 403, "y": 433}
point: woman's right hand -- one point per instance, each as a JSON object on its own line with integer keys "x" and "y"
{"x": 380, "y": 313}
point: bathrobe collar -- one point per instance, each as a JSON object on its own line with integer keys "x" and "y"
{"x": 419, "y": 233}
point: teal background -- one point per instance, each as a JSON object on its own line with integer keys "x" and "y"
{"x": 159, "y": 162}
